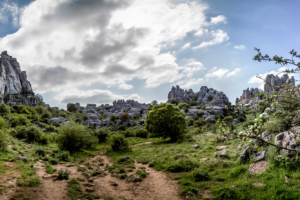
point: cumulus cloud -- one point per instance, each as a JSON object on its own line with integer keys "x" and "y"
{"x": 187, "y": 84}
{"x": 219, "y": 37}
{"x": 260, "y": 82}
{"x": 187, "y": 45}
{"x": 65, "y": 44}
{"x": 9, "y": 9}
{"x": 234, "y": 72}
{"x": 92, "y": 96}
{"x": 240, "y": 47}
{"x": 215, "y": 72}
{"x": 218, "y": 19}
{"x": 124, "y": 86}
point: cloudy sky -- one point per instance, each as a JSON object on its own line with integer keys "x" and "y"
{"x": 97, "y": 51}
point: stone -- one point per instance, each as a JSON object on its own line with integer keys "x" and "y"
{"x": 196, "y": 146}
{"x": 23, "y": 158}
{"x": 15, "y": 89}
{"x": 222, "y": 154}
{"x": 245, "y": 155}
{"x": 277, "y": 82}
{"x": 113, "y": 183}
{"x": 221, "y": 147}
{"x": 89, "y": 189}
{"x": 258, "y": 184}
{"x": 287, "y": 139}
{"x": 57, "y": 120}
{"x": 260, "y": 155}
{"x": 287, "y": 180}
{"x": 178, "y": 156}
{"x": 210, "y": 118}
{"x": 258, "y": 167}
{"x": 124, "y": 158}
{"x": 134, "y": 178}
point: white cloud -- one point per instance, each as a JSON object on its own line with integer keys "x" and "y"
{"x": 256, "y": 80}
{"x": 201, "y": 32}
{"x": 9, "y": 9}
{"x": 187, "y": 45}
{"x": 215, "y": 72}
{"x": 218, "y": 19}
{"x": 219, "y": 37}
{"x": 92, "y": 96}
{"x": 240, "y": 47}
{"x": 187, "y": 84}
{"x": 233, "y": 72}
{"x": 124, "y": 86}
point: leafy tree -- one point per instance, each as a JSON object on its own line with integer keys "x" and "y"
{"x": 74, "y": 137}
{"x": 183, "y": 105}
{"x": 119, "y": 143}
{"x": 113, "y": 118}
{"x": 174, "y": 101}
{"x": 4, "y": 109}
{"x": 72, "y": 108}
{"x": 154, "y": 102}
{"x": 166, "y": 120}
{"x": 124, "y": 116}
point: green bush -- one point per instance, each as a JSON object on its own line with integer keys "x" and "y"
{"x": 182, "y": 165}
{"x": 183, "y": 105}
{"x": 4, "y": 110}
{"x": 49, "y": 169}
{"x": 142, "y": 133}
{"x": 228, "y": 119}
{"x": 200, "y": 122}
{"x": 187, "y": 189}
{"x": 3, "y": 140}
{"x": 40, "y": 151}
{"x": 74, "y": 137}
{"x": 103, "y": 134}
{"x": 174, "y": 101}
{"x": 124, "y": 116}
{"x": 3, "y": 123}
{"x": 72, "y": 108}
{"x": 63, "y": 156}
{"x": 119, "y": 143}
{"x": 113, "y": 118}
{"x": 142, "y": 173}
{"x": 17, "y": 120}
{"x": 31, "y": 133}
{"x": 166, "y": 120}
{"x": 128, "y": 133}
{"x": 74, "y": 189}
{"x": 190, "y": 121}
{"x": 200, "y": 175}
{"x": 248, "y": 123}
{"x": 53, "y": 161}
{"x": 63, "y": 175}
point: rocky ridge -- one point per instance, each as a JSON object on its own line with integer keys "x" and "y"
{"x": 15, "y": 89}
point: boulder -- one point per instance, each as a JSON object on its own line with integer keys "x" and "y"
{"x": 222, "y": 154}
{"x": 57, "y": 120}
{"x": 134, "y": 178}
{"x": 210, "y": 118}
{"x": 124, "y": 158}
{"x": 196, "y": 146}
{"x": 260, "y": 155}
{"x": 23, "y": 158}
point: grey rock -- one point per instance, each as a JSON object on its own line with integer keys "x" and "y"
{"x": 58, "y": 120}
{"x": 245, "y": 155}
{"x": 221, "y": 154}
{"x": 196, "y": 146}
{"x": 23, "y": 158}
{"x": 134, "y": 178}
{"x": 260, "y": 155}
{"x": 236, "y": 121}
{"x": 178, "y": 156}
{"x": 210, "y": 118}
{"x": 124, "y": 158}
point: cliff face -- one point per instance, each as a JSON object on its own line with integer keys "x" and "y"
{"x": 15, "y": 89}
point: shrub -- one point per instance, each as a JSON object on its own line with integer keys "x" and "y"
{"x": 200, "y": 175}
{"x": 3, "y": 140}
{"x": 248, "y": 123}
{"x": 124, "y": 116}
{"x": 182, "y": 165}
{"x": 74, "y": 137}
{"x": 17, "y": 120}
{"x": 166, "y": 120}
{"x": 174, "y": 101}
{"x": 4, "y": 110}
{"x": 113, "y": 118}
{"x": 31, "y": 133}
{"x": 228, "y": 119}
{"x": 188, "y": 189}
{"x": 128, "y": 133}
{"x": 74, "y": 189}
{"x": 3, "y": 123}
{"x": 136, "y": 117}
{"x": 102, "y": 134}
{"x": 119, "y": 143}
{"x": 72, "y": 108}
{"x": 63, "y": 175}
{"x": 297, "y": 122}
{"x": 63, "y": 156}
{"x": 142, "y": 133}
{"x": 40, "y": 151}
{"x": 183, "y": 105}
{"x": 200, "y": 122}
{"x": 34, "y": 182}
{"x": 190, "y": 121}
{"x": 49, "y": 169}
{"x": 53, "y": 161}
{"x": 142, "y": 173}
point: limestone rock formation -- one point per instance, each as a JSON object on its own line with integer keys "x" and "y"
{"x": 204, "y": 96}
{"x": 247, "y": 95}
{"x": 276, "y": 82}
{"x": 15, "y": 89}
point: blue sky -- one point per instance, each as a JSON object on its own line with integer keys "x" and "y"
{"x": 139, "y": 49}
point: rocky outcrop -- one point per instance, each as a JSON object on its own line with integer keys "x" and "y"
{"x": 15, "y": 89}
{"x": 247, "y": 96}
{"x": 207, "y": 96}
{"x": 277, "y": 82}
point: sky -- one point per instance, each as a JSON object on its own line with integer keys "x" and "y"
{"x": 98, "y": 51}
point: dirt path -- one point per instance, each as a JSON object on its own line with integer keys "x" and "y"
{"x": 140, "y": 144}
{"x": 10, "y": 181}
{"x": 155, "y": 186}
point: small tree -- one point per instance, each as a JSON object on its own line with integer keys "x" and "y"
{"x": 124, "y": 116}
{"x": 174, "y": 101}
{"x": 72, "y": 108}
{"x": 4, "y": 109}
{"x": 166, "y": 120}
{"x": 154, "y": 102}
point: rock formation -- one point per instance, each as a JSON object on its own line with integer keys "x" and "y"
{"x": 204, "y": 96}
{"x": 15, "y": 89}
{"x": 276, "y": 82}
{"x": 248, "y": 95}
